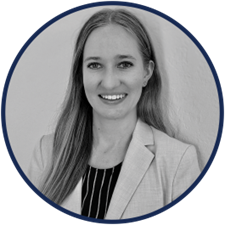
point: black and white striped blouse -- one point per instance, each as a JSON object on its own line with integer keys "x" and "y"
{"x": 97, "y": 190}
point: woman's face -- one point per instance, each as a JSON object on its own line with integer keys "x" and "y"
{"x": 113, "y": 72}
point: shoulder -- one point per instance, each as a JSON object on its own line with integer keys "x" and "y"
{"x": 171, "y": 154}
{"x": 176, "y": 161}
{"x": 158, "y": 142}
{"x": 43, "y": 150}
{"x": 46, "y": 141}
{"x": 41, "y": 159}
{"x": 46, "y": 148}
{"x": 168, "y": 145}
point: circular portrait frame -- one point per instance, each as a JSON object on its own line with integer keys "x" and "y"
{"x": 21, "y": 52}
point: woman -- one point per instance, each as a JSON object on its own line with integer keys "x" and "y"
{"x": 110, "y": 156}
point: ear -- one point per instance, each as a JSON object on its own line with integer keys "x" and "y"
{"x": 149, "y": 71}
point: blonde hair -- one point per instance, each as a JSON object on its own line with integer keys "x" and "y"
{"x": 73, "y": 134}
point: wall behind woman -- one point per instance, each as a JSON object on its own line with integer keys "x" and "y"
{"x": 189, "y": 99}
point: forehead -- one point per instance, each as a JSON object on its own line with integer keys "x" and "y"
{"x": 111, "y": 40}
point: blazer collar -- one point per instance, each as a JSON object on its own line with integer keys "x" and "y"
{"x": 137, "y": 160}
{"x": 143, "y": 133}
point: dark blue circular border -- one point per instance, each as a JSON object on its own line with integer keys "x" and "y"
{"x": 119, "y": 4}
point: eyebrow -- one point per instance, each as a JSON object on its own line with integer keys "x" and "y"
{"x": 92, "y": 58}
{"x": 117, "y": 56}
{"x": 125, "y": 57}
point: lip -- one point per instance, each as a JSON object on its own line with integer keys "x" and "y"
{"x": 112, "y": 101}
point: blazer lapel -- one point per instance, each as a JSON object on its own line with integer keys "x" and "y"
{"x": 137, "y": 161}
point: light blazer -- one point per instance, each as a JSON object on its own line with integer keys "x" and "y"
{"x": 156, "y": 170}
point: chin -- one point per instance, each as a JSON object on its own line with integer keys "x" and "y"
{"x": 112, "y": 115}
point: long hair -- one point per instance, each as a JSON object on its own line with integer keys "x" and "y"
{"x": 73, "y": 137}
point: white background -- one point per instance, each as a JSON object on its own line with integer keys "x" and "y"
{"x": 39, "y": 82}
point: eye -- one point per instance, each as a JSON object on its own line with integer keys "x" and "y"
{"x": 94, "y": 66}
{"x": 125, "y": 65}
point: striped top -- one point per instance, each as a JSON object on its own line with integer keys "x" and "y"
{"x": 97, "y": 189}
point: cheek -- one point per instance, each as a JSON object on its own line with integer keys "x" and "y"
{"x": 136, "y": 84}
{"x": 89, "y": 83}
{"x": 137, "y": 78}
{"x": 89, "y": 90}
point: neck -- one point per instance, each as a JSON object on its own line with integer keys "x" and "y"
{"x": 113, "y": 131}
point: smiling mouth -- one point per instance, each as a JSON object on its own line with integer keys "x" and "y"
{"x": 113, "y": 97}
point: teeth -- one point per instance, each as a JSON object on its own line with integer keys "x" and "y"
{"x": 113, "y": 97}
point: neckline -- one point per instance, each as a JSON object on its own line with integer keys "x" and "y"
{"x": 110, "y": 168}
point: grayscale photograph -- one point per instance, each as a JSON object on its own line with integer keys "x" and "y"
{"x": 112, "y": 112}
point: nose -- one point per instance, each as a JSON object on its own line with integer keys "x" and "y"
{"x": 110, "y": 80}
